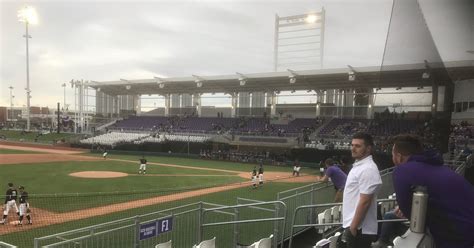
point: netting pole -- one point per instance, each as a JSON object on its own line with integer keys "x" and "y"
{"x": 137, "y": 232}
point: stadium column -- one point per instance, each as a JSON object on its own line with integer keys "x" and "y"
{"x": 167, "y": 104}
{"x": 233, "y": 104}
{"x": 370, "y": 107}
{"x": 197, "y": 103}
{"x": 138, "y": 104}
{"x": 434, "y": 99}
{"x": 271, "y": 101}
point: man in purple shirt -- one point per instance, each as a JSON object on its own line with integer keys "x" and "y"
{"x": 338, "y": 178}
{"x": 450, "y": 212}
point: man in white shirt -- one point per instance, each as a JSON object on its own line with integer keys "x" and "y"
{"x": 359, "y": 208}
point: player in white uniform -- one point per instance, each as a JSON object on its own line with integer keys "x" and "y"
{"x": 142, "y": 166}
{"x": 24, "y": 206}
{"x": 254, "y": 178}
{"x": 10, "y": 202}
{"x": 260, "y": 175}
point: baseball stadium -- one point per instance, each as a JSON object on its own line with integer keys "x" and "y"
{"x": 237, "y": 124}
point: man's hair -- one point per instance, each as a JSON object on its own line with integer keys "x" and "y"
{"x": 368, "y": 140}
{"x": 329, "y": 162}
{"x": 10, "y": 184}
{"x": 407, "y": 144}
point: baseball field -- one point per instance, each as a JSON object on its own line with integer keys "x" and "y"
{"x": 72, "y": 188}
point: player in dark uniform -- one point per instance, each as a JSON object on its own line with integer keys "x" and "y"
{"x": 24, "y": 206}
{"x": 142, "y": 166}
{"x": 254, "y": 177}
{"x": 10, "y": 202}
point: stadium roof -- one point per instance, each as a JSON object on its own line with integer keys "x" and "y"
{"x": 407, "y": 75}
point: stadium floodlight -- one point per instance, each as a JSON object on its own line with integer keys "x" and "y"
{"x": 128, "y": 87}
{"x": 161, "y": 85}
{"x": 98, "y": 89}
{"x": 292, "y": 76}
{"x": 352, "y": 76}
{"x": 311, "y": 18}
{"x": 27, "y": 15}
{"x": 198, "y": 80}
{"x": 242, "y": 79}
{"x": 351, "y": 73}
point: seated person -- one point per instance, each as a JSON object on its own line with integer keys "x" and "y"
{"x": 390, "y": 230}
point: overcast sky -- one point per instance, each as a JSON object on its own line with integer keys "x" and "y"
{"x": 109, "y": 40}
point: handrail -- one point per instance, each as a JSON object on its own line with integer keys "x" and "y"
{"x": 247, "y": 221}
{"x": 293, "y": 225}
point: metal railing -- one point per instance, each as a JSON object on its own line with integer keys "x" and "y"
{"x": 126, "y": 232}
{"x": 313, "y": 208}
{"x": 6, "y": 245}
{"x": 244, "y": 215}
{"x": 319, "y": 193}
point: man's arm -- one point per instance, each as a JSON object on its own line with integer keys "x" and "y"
{"x": 361, "y": 211}
{"x": 402, "y": 186}
{"x": 323, "y": 179}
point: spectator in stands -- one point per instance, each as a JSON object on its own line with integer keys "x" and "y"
{"x": 359, "y": 208}
{"x": 450, "y": 212}
{"x": 390, "y": 230}
{"x": 337, "y": 176}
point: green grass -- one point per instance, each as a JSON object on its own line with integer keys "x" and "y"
{"x": 30, "y": 136}
{"x": 53, "y": 178}
{"x": 12, "y": 151}
{"x": 225, "y": 165}
{"x": 266, "y": 193}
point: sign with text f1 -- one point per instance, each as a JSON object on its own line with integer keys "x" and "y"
{"x": 165, "y": 225}
{"x": 154, "y": 228}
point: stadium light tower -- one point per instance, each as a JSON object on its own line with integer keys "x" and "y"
{"x": 299, "y": 41}
{"x": 28, "y": 16}
{"x": 11, "y": 102}
{"x": 64, "y": 99}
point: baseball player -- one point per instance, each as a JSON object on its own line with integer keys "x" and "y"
{"x": 254, "y": 177}
{"x": 24, "y": 206}
{"x": 142, "y": 166}
{"x": 260, "y": 175}
{"x": 10, "y": 202}
{"x": 104, "y": 155}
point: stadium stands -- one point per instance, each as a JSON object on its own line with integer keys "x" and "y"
{"x": 341, "y": 128}
{"x": 114, "y": 138}
{"x": 260, "y": 126}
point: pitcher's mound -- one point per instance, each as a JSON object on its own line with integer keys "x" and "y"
{"x": 98, "y": 174}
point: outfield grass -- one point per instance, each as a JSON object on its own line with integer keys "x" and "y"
{"x": 215, "y": 164}
{"x": 53, "y": 178}
{"x": 266, "y": 193}
{"x": 12, "y": 151}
